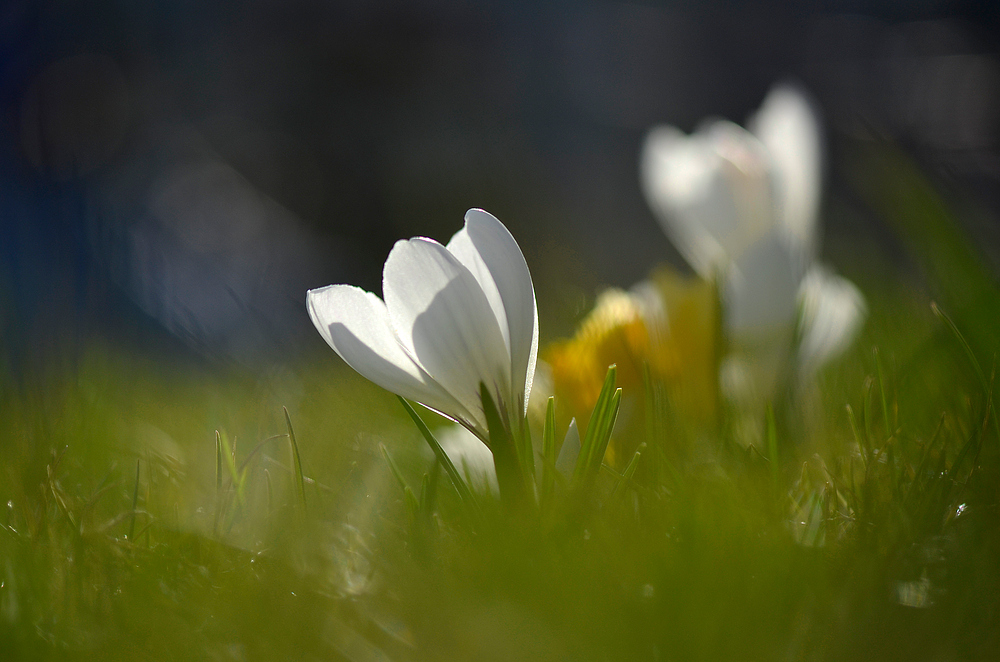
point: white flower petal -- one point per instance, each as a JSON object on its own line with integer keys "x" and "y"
{"x": 462, "y": 248}
{"x": 788, "y": 127}
{"x": 712, "y": 191}
{"x": 677, "y": 173}
{"x": 355, "y": 323}
{"x": 442, "y": 317}
{"x": 509, "y": 272}
{"x": 832, "y": 312}
{"x": 746, "y": 181}
{"x": 470, "y": 455}
{"x": 762, "y": 289}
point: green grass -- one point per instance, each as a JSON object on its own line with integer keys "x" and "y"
{"x": 163, "y": 512}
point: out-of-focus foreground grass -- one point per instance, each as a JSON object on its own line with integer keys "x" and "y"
{"x": 869, "y": 529}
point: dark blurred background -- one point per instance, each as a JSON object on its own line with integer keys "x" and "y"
{"x": 175, "y": 175}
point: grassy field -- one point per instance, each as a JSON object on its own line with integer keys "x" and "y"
{"x": 158, "y": 511}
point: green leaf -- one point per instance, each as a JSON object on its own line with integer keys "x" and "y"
{"x": 608, "y": 425}
{"x": 510, "y": 471}
{"x": 602, "y": 422}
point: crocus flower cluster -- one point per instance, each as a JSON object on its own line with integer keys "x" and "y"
{"x": 741, "y": 206}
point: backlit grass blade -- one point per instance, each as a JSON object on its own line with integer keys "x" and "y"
{"x": 608, "y": 425}
{"x": 867, "y": 415}
{"x": 256, "y": 449}
{"x": 270, "y": 491}
{"x": 428, "y": 492}
{"x": 772, "y": 449}
{"x": 549, "y": 451}
{"x": 218, "y": 462}
{"x": 921, "y": 472}
{"x": 890, "y": 428}
{"x": 589, "y": 438}
{"x": 629, "y": 471}
{"x": 135, "y": 501}
{"x": 652, "y": 415}
{"x": 973, "y": 361}
{"x": 602, "y": 421}
{"x": 463, "y": 490}
{"x": 412, "y": 507}
{"x": 296, "y": 459}
{"x": 236, "y": 477}
{"x": 858, "y": 437}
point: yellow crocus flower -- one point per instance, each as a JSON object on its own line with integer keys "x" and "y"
{"x": 669, "y": 322}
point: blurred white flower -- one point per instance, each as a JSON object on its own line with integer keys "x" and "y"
{"x": 470, "y": 456}
{"x": 742, "y": 206}
{"x": 453, "y": 317}
{"x": 831, "y": 315}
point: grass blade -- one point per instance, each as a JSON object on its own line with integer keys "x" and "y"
{"x": 607, "y": 427}
{"x": 270, "y": 491}
{"x": 135, "y": 501}
{"x": 626, "y": 475}
{"x": 428, "y": 492}
{"x": 772, "y": 449}
{"x": 410, "y": 499}
{"x": 858, "y": 437}
{"x": 890, "y": 429}
{"x": 463, "y": 490}
{"x": 596, "y": 427}
{"x": 980, "y": 375}
{"x": 218, "y": 462}
{"x": 296, "y": 460}
{"x": 229, "y": 455}
{"x": 921, "y": 472}
{"x": 549, "y": 451}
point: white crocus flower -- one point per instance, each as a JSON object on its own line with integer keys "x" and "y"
{"x": 453, "y": 317}
{"x": 742, "y": 206}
